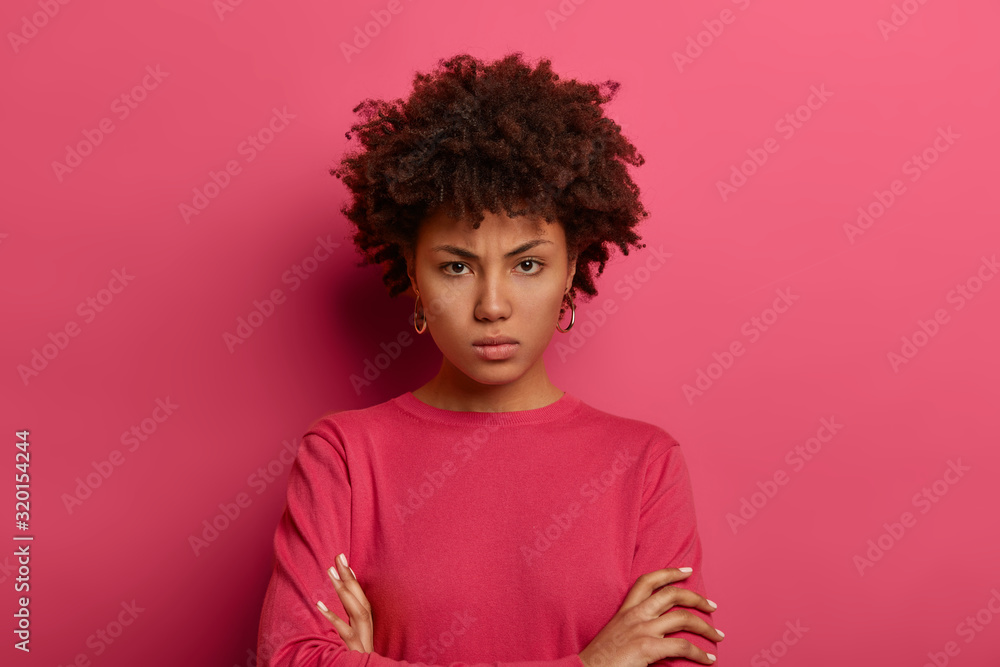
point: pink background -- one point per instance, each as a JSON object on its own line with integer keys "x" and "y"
{"x": 887, "y": 95}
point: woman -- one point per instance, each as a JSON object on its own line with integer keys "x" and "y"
{"x": 492, "y": 517}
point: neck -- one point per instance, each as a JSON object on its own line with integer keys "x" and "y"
{"x": 452, "y": 389}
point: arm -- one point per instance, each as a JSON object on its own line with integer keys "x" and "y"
{"x": 668, "y": 535}
{"x": 314, "y": 528}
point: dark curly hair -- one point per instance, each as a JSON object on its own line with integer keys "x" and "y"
{"x": 475, "y": 136}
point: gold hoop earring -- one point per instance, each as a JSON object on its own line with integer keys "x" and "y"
{"x": 419, "y": 329}
{"x": 572, "y": 318}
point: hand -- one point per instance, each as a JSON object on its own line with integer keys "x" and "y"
{"x": 634, "y": 637}
{"x": 359, "y": 634}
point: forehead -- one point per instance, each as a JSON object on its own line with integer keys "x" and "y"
{"x": 493, "y": 229}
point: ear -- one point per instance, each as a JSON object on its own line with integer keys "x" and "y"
{"x": 572, "y": 271}
{"x": 411, "y": 268}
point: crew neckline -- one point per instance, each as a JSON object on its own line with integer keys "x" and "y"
{"x": 558, "y": 409}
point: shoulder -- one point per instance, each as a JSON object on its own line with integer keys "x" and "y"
{"x": 354, "y": 428}
{"x": 652, "y": 438}
{"x": 341, "y": 422}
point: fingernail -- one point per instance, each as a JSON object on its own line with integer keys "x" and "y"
{"x": 343, "y": 559}
{"x": 720, "y": 632}
{"x": 333, "y": 571}
{"x": 710, "y": 657}
{"x": 352, "y": 571}
{"x": 322, "y": 606}
{"x": 714, "y": 606}
{"x": 685, "y": 569}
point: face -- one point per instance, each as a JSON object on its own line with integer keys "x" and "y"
{"x": 508, "y": 279}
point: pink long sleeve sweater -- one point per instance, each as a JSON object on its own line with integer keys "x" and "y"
{"x": 480, "y": 539}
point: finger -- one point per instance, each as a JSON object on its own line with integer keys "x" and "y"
{"x": 355, "y": 610}
{"x": 673, "y": 596}
{"x": 361, "y": 617}
{"x": 347, "y": 577}
{"x": 682, "y": 648}
{"x": 650, "y": 581}
{"x": 342, "y": 628}
{"x": 358, "y": 613}
{"x": 681, "y": 619}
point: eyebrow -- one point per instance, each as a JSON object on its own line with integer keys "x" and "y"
{"x": 468, "y": 254}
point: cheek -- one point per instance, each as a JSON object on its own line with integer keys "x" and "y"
{"x": 448, "y": 312}
{"x": 540, "y": 313}
{"x": 543, "y": 305}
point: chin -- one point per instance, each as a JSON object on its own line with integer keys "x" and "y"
{"x": 481, "y": 372}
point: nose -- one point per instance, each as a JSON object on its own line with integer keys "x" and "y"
{"x": 493, "y": 301}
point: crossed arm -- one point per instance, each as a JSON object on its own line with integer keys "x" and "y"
{"x": 358, "y": 635}
{"x": 663, "y": 620}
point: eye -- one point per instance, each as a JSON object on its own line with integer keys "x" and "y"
{"x": 445, "y": 266}
{"x": 532, "y": 261}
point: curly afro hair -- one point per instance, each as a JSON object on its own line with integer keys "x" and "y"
{"x": 500, "y": 136}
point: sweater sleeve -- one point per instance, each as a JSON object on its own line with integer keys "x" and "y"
{"x": 668, "y": 534}
{"x": 314, "y": 528}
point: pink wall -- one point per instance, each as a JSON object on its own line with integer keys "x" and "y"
{"x": 831, "y": 439}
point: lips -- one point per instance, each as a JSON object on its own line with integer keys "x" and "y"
{"x": 495, "y": 348}
{"x": 495, "y": 340}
